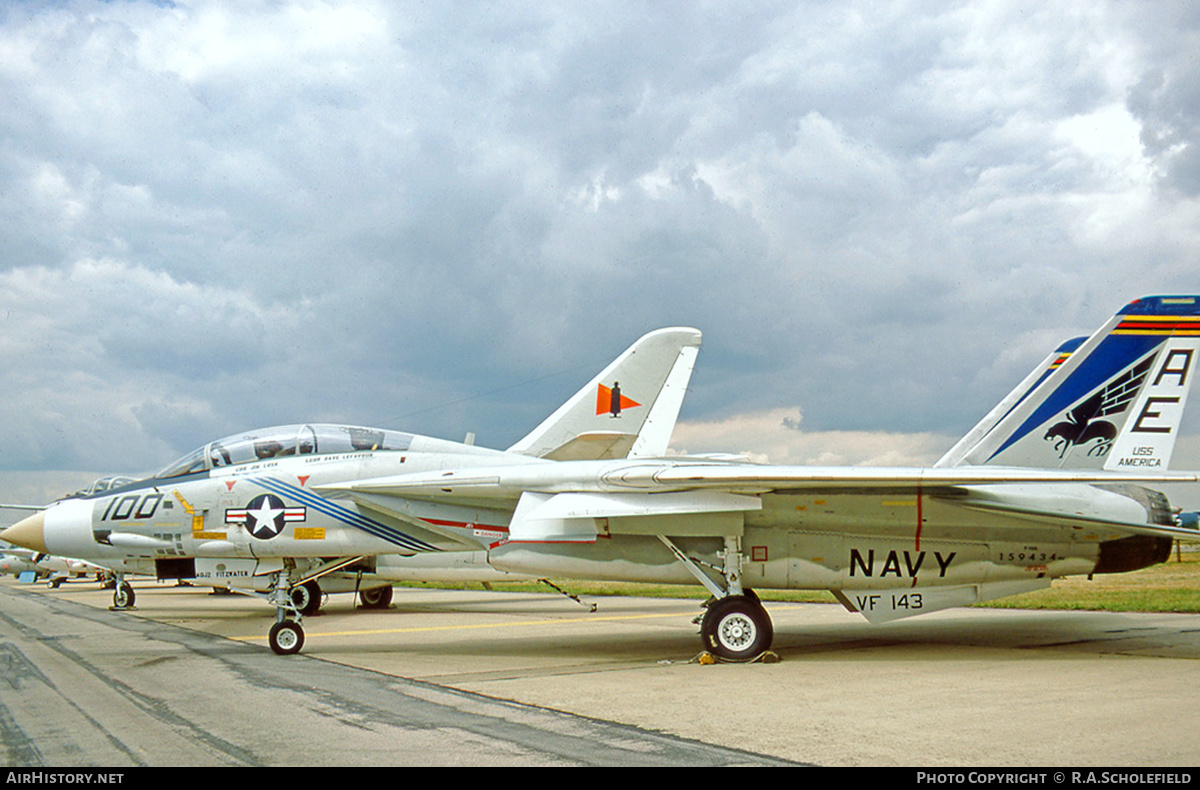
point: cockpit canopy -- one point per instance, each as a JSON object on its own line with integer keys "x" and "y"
{"x": 286, "y": 440}
{"x": 102, "y": 484}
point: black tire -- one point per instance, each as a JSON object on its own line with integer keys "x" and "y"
{"x": 286, "y": 638}
{"x": 737, "y": 628}
{"x": 123, "y": 596}
{"x": 307, "y": 598}
{"x": 376, "y": 597}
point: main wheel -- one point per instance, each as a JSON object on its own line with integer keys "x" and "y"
{"x": 376, "y": 597}
{"x": 307, "y": 598}
{"x": 286, "y": 637}
{"x": 737, "y": 628}
{"x": 123, "y": 596}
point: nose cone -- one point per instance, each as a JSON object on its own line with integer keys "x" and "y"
{"x": 29, "y": 532}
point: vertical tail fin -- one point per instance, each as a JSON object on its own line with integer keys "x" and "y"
{"x": 1115, "y": 402}
{"x": 628, "y": 410}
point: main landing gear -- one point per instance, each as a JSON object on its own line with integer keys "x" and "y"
{"x": 307, "y": 597}
{"x": 735, "y": 626}
{"x": 376, "y": 597}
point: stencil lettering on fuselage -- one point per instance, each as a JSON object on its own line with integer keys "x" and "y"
{"x": 900, "y": 564}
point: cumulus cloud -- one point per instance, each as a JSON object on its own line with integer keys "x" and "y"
{"x": 105, "y": 361}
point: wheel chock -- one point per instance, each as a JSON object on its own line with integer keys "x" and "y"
{"x": 766, "y": 657}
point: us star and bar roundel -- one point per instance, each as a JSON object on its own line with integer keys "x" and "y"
{"x": 265, "y": 516}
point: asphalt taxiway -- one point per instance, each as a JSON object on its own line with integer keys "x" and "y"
{"x": 447, "y": 677}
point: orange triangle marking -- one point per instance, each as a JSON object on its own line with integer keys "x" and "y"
{"x": 229, "y": 484}
{"x": 303, "y": 478}
{"x": 604, "y": 401}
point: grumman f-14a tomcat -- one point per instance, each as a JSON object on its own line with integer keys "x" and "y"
{"x": 1054, "y": 481}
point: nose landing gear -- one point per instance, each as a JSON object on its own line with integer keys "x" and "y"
{"x": 123, "y": 596}
{"x": 293, "y": 599}
{"x": 286, "y": 637}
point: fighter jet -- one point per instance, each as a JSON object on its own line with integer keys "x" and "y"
{"x": 1052, "y": 482}
{"x": 248, "y": 512}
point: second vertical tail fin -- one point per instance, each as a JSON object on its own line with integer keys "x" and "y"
{"x": 1114, "y": 401}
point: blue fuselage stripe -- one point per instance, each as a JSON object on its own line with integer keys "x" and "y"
{"x": 343, "y": 514}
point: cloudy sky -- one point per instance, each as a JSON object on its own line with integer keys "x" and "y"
{"x": 445, "y": 217}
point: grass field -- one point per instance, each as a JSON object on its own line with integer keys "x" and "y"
{"x": 1173, "y": 586}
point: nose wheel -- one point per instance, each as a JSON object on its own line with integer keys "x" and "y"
{"x": 293, "y": 600}
{"x": 123, "y": 596}
{"x": 286, "y": 637}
